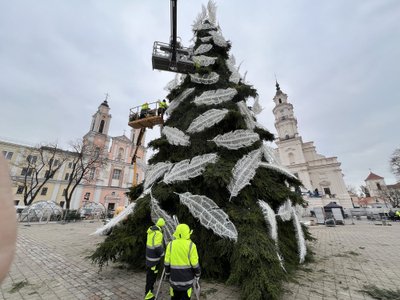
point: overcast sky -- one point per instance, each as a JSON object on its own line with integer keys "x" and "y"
{"x": 338, "y": 61}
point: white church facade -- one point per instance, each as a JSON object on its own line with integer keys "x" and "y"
{"x": 321, "y": 176}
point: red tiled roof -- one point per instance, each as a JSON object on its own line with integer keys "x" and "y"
{"x": 395, "y": 186}
{"x": 373, "y": 176}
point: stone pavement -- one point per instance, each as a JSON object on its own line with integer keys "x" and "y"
{"x": 50, "y": 264}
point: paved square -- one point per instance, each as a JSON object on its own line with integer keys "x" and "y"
{"x": 50, "y": 264}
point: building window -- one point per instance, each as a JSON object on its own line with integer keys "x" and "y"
{"x": 291, "y": 158}
{"x": 120, "y": 153}
{"x": 137, "y": 178}
{"x": 32, "y": 159}
{"x": 20, "y": 189}
{"x": 8, "y": 155}
{"x": 379, "y": 187}
{"x": 280, "y": 100}
{"x": 91, "y": 173}
{"x": 44, "y": 191}
{"x": 26, "y": 172}
{"x": 113, "y": 194}
{"x": 66, "y": 176}
{"x": 64, "y": 192}
{"x": 116, "y": 174}
{"x": 101, "y": 128}
{"x": 87, "y": 196}
{"x": 62, "y": 204}
{"x": 49, "y": 174}
{"x": 70, "y": 165}
{"x": 56, "y": 162}
{"x": 327, "y": 191}
{"x": 16, "y": 202}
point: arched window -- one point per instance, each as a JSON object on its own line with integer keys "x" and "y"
{"x": 379, "y": 186}
{"x": 291, "y": 158}
{"x": 101, "y": 128}
{"x": 280, "y": 100}
{"x": 120, "y": 154}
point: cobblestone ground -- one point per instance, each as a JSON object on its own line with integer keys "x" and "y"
{"x": 50, "y": 264}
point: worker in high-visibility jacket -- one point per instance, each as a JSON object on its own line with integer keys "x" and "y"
{"x": 154, "y": 253}
{"x": 162, "y": 107}
{"x": 144, "y": 109}
{"x": 182, "y": 263}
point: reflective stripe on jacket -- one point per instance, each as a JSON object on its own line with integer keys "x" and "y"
{"x": 154, "y": 246}
{"x": 181, "y": 263}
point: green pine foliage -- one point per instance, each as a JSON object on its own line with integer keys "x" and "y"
{"x": 251, "y": 262}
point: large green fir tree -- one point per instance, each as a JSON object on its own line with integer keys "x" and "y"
{"x": 213, "y": 171}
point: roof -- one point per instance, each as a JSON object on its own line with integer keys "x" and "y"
{"x": 122, "y": 138}
{"x": 395, "y": 186}
{"x": 373, "y": 176}
{"x": 333, "y": 205}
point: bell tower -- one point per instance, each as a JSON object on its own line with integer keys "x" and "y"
{"x": 285, "y": 121}
{"x": 101, "y": 119}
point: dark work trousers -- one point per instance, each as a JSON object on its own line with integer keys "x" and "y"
{"x": 151, "y": 277}
{"x": 180, "y": 295}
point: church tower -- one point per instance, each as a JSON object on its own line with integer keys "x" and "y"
{"x": 321, "y": 176}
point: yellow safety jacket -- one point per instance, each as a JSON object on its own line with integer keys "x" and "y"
{"x": 181, "y": 264}
{"x": 145, "y": 106}
{"x": 154, "y": 246}
{"x": 398, "y": 213}
{"x": 163, "y": 105}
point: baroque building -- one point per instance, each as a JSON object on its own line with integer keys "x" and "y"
{"x": 107, "y": 185}
{"x": 321, "y": 176}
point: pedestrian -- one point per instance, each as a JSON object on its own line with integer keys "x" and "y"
{"x": 182, "y": 264}
{"x": 144, "y": 109}
{"x": 162, "y": 107}
{"x": 397, "y": 215}
{"x": 154, "y": 253}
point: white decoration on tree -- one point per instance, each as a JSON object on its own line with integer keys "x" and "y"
{"x": 173, "y": 83}
{"x": 176, "y": 136}
{"x": 244, "y": 171}
{"x": 175, "y": 103}
{"x": 236, "y": 139}
{"x": 114, "y": 221}
{"x": 212, "y": 12}
{"x": 301, "y": 242}
{"x": 204, "y": 61}
{"x": 203, "y": 48}
{"x": 207, "y": 119}
{"x": 285, "y": 210}
{"x": 278, "y": 168}
{"x": 270, "y": 218}
{"x": 189, "y": 168}
{"x": 218, "y": 39}
{"x": 257, "y": 109}
{"x": 200, "y": 18}
{"x": 204, "y": 79}
{"x": 209, "y": 215}
{"x": 215, "y": 96}
{"x": 274, "y": 163}
{"x": 206, "y": 39}
{"x": 155, "y": 172}
{"x": 248, "y": 116}
{"x": 235, "y": 76}
{"x": 170, "y": 223}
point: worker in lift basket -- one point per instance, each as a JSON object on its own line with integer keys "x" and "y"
{"x": 144, "y": 110}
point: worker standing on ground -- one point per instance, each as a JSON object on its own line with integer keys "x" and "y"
{"x": 144, "y": 110}
{"x": 182, "y": 263}
{"x": 162, "y": 107}
{"x": 154, "y": 253}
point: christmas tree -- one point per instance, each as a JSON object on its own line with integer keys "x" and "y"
{"x": 213, "y": 170}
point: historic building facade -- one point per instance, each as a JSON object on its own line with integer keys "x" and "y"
{"x": 321, "y": 176}
{"x": 107, "y": 185}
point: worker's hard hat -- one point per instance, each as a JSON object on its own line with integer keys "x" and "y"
{"x": 160, "y": 222}
{"x": 182, "y": 231}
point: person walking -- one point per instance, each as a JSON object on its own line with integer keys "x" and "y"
{"x": 154, "y": 253}
{"x": 182, "y": 264}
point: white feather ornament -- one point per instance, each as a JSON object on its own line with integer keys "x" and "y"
{"x": 257, "y": 109}
{"x": 189, "y": 168}
{"x": 207, "y": 119}
{"x": 301, "y": 242}
{"x": 170, "y": 223}
{"x": 176, "y": 136}
{"x": 215, "y": 96}
{"x": 270, "y": 155}
{"x": 175, "y": 103}
{"x": 235, "y": 76}
{"x": 270, "y": 218}
{"x": 203, "y": 48}
{"x": 209, "y": 215}
{"x": 155, "y": 172}
{"x": 273, "y": 162}
{"x": 278, "y": 168}
{"x": 204, "y": 79}
{"x": 114, "y": 221}
{"x": 218, "y": 39}
{"x": 206, "y": 39}
{"x": 212, "y": 12}
{"x": 285, "y": 210}
{"x": 244, "y": 171}
{"x": 204, "y": 61}
{"x": 236, "y": 139}
{"x": 248, "y": 116}
{"x": 204, "y": 26}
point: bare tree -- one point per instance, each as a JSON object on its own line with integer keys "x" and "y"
{"x": 364, "y": 191}
{"x": 87, "y": 160}
{"x": 391, "y": 195}
{"x": 395, "y": 162}
{"x": 38, "y": 165}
